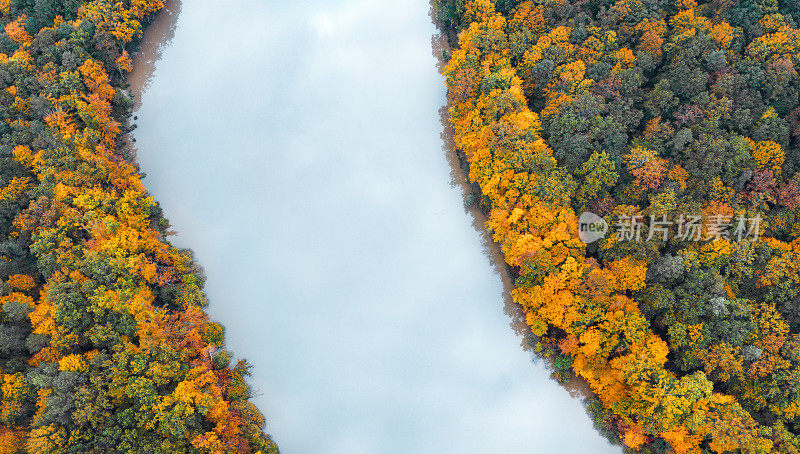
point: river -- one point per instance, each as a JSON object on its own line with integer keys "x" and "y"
{"x": 297, "y": 148}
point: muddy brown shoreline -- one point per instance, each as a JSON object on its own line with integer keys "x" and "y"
{"x": 577, "y": 386}
{"x": 156, "y": 37}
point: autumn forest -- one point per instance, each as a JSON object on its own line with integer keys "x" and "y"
{"x": 639, "y": 111}
{"x": 104, "y": 344}
{"x": 637, "y": 161}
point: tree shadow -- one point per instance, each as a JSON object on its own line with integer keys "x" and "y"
{"x": 157, "y": 36}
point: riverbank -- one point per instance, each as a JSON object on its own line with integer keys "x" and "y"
{"x": 157, "y": 35}
{"x": 315, "y": 193}
{"x": 577, "y": 386}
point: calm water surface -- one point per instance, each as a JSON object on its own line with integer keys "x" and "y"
{"x": 296, "y": 148}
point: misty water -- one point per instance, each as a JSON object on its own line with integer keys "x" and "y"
{"x": 297, "y": 149}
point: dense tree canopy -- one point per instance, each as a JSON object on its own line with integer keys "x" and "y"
{"x": 104, "y": 345}
{"x": 648, "y": 110}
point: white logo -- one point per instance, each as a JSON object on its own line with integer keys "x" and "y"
{"x": 591, "y": 227}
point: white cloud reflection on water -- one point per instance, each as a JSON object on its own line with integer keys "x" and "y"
{"x": 295, "y": 146}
